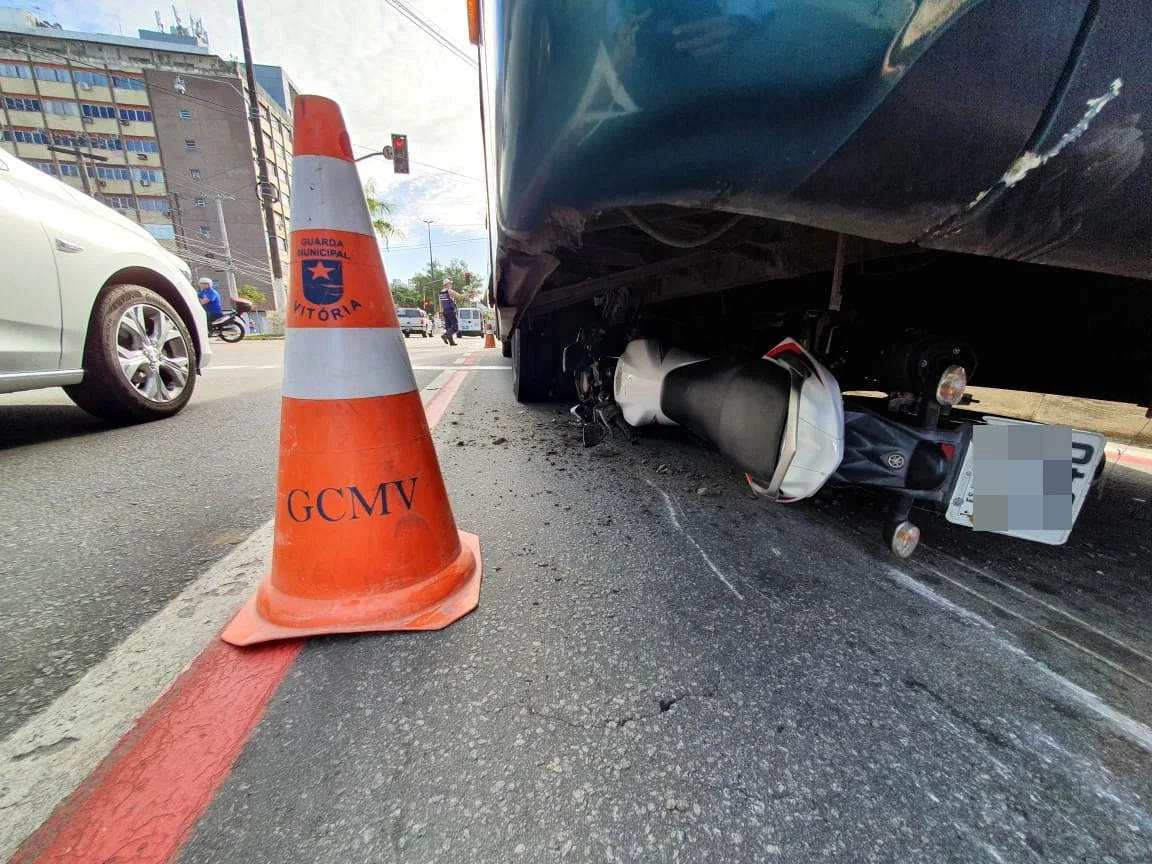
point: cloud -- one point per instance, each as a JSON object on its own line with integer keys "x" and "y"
{"x": 388, "y": 76}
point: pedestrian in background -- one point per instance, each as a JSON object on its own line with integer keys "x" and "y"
{"x": 448, "y": 298}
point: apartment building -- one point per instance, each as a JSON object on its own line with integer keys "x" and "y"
{"x": 158, "y": 128}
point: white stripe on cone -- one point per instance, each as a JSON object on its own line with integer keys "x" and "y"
{"x": 345, "y": 362}
{"x": 327, "y": 195}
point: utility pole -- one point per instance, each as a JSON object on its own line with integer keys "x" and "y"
{"x": 431, "y": 266}
{"x": 80, "y": 157}
{"x": 262, "y": 163}
{"x": 229, "y": 269}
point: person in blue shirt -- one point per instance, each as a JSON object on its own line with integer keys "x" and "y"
{"x": 209, "y": 299}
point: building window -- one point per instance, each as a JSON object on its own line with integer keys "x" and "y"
{"x": 47, "y": 167}
{"x": 148, "y": 175}
{"x": 15, "y": 70}
{"x": 195, "y": 172}
{"x": 92, "y": 79}
{"x": 140, "y": 146}
{"x": 119, "y": 202}
{"x": 101, "y": 112}
{"x": 21, "y": 104}
{"x": 283, "y": 245}
{"x": 189, "y": 143}
{"x": 55, "y": 106}
{"x": 104, "y": 142}
{"x": 106, "y": 172}
{"x": 205, "y": 231}
{"x": 26, "y": 137}
{"x": 200, "y": 202}
{"x": 157, "y": 205}
{"x": 123, "y": 82}
{"x": 135, "y": 114}
{"x": 69, "y": 169}
{"x": 48, "y": 73}
{"x": 185, "y": 115}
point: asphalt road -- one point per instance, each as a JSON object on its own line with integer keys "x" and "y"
{"x": 104, "y": 525}
{"x": 662, "y": 668}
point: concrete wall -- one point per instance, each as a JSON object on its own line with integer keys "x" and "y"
{"x": 223, "y": 156}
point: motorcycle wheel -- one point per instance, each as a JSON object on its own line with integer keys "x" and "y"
{"x": 232, "y": 332}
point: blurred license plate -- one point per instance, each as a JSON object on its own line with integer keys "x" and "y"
{"x": 1087, "y": 451}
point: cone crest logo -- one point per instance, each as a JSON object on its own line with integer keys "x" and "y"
{"x": 323, "y": 281}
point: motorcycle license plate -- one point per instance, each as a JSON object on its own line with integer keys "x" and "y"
{"x": 1087, "y": 451}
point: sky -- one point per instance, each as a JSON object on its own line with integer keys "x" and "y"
{"x": 388, "y": 76}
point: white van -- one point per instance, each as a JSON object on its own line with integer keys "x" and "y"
{"x": 471, "y": 322}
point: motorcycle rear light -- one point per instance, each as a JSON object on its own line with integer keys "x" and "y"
{"x": 950, "y": 388}
{"x": 904, "y": 539}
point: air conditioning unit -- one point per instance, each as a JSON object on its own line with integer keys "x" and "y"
{"x": 88, "y": 119}
{"x": 101, "y": 183}
{"x": 145, "y": 182}
{"x": 167, "y": 214}
{"x": 84, "y": 85}
{"x": 125, "y": 122}
{"x": 143, "y": 157}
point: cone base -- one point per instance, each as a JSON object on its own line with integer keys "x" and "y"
{"x": 489, "y": 341}
{"x": 249, "y": 627}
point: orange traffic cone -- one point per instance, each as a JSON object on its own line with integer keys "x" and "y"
{"x": 489, "y": 336}
{"x": 365, "y": 538}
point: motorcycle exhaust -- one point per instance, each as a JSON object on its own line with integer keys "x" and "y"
{"x": 780, "y": 419}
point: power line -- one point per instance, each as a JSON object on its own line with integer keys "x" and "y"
{"x": 446, "y": 171}
{"x": 432, "y": 31}
{"x": 368, "y": 149}
{"x": 423, "y": 246}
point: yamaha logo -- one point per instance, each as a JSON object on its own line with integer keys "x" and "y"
{"x": 895, "y": 461}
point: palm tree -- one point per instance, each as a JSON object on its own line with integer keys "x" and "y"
{"x": 378, "y": 211}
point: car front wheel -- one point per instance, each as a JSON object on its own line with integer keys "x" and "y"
{"x": 139, "y": 359}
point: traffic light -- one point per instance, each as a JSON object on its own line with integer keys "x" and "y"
{"x": 399, "y": 154}
{"x": 467, "y": 278}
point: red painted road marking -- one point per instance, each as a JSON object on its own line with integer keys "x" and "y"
{"x": 1128, "y": 458}
{"x": 142, "y": 802}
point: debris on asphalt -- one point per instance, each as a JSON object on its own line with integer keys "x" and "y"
{"x": 662, "y": 469}
{"x": 499, "y": 441}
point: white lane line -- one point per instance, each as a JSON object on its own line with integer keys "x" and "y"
{"x": 692, "y": 541}
{"x": 211, "y": 368}
{"x": 1135, "y": 731}
{"x": 459, "y": 365}
{"x": 50, "y": 755}
{"x": 418, "y": 367}
{"x": 43, "y": 761}
{"x": 434, "y": 386}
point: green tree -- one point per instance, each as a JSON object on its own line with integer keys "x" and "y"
{"x": 252, "y": 294}
{"x": 380, "y": 212}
